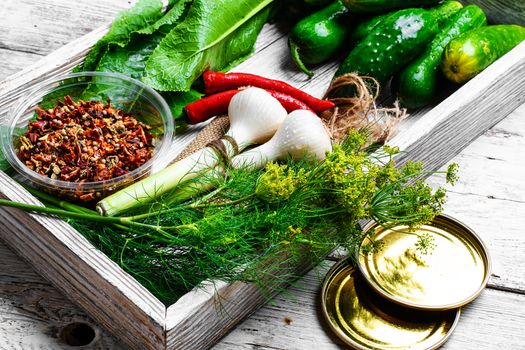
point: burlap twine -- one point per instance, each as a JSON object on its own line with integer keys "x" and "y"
{"x": 356, "y": 112}
{"x": 211, "y": 132}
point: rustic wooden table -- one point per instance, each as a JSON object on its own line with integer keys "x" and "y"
{"x": 490, "y": 198}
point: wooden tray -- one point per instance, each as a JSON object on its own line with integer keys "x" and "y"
{"x": 119, "y": 303}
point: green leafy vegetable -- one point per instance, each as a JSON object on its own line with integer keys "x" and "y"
{"x": 144, "y": 14}
{"x": 178, "y": 100}
{"x": 130, "y": 57}
{"x": 171, "y": 18}
{"x": 4, "y": 164}
{"x": 214, "y": 35}
{"x": 142, "y": 39}
{"x": 131, "y": 60}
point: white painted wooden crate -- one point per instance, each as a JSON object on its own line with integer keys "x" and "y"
{"x": 118, "y": 302}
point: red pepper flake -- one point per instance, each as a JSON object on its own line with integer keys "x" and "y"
{"x": 85, "y": 141}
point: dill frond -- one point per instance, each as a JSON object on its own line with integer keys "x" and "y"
{"x": 261, "y": 226}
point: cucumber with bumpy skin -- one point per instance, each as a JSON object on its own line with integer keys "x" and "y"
{"x": 317, "y": 2}
{"x": 397, "y": 40}
{"x": 416, "y": 84}
{"x": 378, "y": 6}
{"x": 443, "y": 12}
{"x": 468, "y": 55}
{"x": 365, "y": 27}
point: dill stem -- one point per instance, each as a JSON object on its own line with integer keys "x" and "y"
{"x": 134, "y": 218}
{"x": 58, "y": 202}
{"x": 69, "y": 206}
{"x": 221, "y": 204}
{"x": 74, "y": 214}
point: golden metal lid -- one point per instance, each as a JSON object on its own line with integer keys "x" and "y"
{"x": 364, "y": 320}
{"x": 452, "y": 274}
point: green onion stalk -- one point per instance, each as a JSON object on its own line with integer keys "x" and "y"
{"x": 254, "y": 117}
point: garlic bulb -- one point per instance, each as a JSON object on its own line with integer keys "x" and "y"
{"x": 254, "y": 114}
{"x": 301, "y": 134}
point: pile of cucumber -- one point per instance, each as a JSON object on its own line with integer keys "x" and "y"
{"x": 391, "y": 38}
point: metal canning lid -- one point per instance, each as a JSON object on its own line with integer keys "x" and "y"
{"x": 364, "y": 320}
{"x": 451, "y": 274}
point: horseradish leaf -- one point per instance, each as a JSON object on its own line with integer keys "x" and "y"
{"x": 214, "y": 35}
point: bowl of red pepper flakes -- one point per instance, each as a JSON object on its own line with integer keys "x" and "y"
{"x": 85, "y": 135}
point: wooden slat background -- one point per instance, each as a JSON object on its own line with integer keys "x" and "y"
{"x": 490, "y": 197}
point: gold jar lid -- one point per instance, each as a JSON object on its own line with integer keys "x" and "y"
{"x": 364, "y": 320}
{"x": 451, "y": 274}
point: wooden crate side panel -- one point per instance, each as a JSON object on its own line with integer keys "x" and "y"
{"x": 210, "y": 319}
{"x": 477, "y": 106}
{"x": 202, "y": 317}
{"x": 81, "y": 272}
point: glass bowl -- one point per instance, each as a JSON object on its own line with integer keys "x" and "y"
{"x": 123, "y": 92}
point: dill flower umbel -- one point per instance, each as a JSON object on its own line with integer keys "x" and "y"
{"x": 278, "y": 182}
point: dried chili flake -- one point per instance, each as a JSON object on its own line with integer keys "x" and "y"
{"x": 85, "y": 141}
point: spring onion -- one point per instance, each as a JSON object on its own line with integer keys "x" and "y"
{"x": 254, "y": 117}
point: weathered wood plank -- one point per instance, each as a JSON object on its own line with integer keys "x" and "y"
{"x": 501, "y": 11}
{"x": 498, "y": 151}
{"x": 490, "y": 196}
{"x": 59, "y": 62}
{"x": 33, "y": 28}
{"x": 13, "y": 61}
{"x": 33, "y": 313}
{"x": 293, "y": 321}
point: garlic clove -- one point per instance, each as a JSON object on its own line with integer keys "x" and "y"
{"x": 256, "y": 157}
{"x": 255, "y": 115}
{"x": 301, "y": 134}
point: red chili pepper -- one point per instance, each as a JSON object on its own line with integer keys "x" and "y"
{"x": 209, "y": 106}
{"x": 216, "y": 81}
{"x": 289, "y": 103}
{"x": 217, "y": 104}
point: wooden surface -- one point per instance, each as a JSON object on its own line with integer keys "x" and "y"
{"x": 490, "y": 198}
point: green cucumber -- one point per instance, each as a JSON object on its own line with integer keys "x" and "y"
{"x": 416, "y": 85}
{"x": 443, "y": 12}
{"x": 290, "y": 11}
{"x": 395, "y": 41}
{"x": 365, "y": 27}
{"x": 317, "y": 2}
{"x": 378, "y": 6}
{"x": 319, "y": 36}
{"x": 472, "y": 52}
